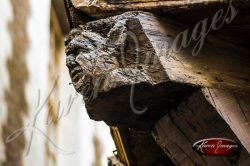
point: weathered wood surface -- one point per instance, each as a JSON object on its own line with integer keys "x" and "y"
{"x": 234, "y": 108}
{"x": 75, "y": 16}
{"x": 237, "y": 32}
{"x": 193, "y": 120}
{"x": 98, "y": 66}
{"x": 182, "y": 11}
{"x": 222, "y": 67}
{"x": 104, "y": 62}
{"x": 104, "y": 8}
{"x": 140, "y": 148}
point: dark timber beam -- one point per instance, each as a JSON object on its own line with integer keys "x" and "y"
{"x": 182, "y": 11}
{"x": 104, "y": 8}
{"x": 106, "y": 57}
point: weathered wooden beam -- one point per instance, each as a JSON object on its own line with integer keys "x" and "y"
{"x": 234, "y": 108}
{"x": 218, "y": 65}
{"x": 182, "y": 11}
{"x": 107, "y": 56}
{"x": 104, "y": 8}
{"x": 193, "y": 120}
{"x": 74, "y": 15}
{"x": 104, "y": 63}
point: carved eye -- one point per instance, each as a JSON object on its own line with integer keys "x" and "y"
{"x": 82, "y": 50}
{"x": 70, "y": 61}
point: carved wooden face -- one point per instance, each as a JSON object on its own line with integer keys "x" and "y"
{"x": 87, "y": 55}
{"x": 108, "y": 56}
{"x": 111, "y": 53}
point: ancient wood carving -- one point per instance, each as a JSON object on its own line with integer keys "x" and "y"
{"x": 143, "y": 72}
{"x": 107, "y": 56}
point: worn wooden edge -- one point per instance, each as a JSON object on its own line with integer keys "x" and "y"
{"x": 107, "y": 9}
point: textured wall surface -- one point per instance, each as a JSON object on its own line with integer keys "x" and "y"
{"x": 42, "y": 120}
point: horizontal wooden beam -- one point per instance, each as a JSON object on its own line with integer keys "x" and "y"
{"x": 182, "y": 11}
{"x": 108, "y": 56}
{"x": 104, "y": 8}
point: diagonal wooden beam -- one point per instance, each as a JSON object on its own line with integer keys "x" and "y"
{"x": 193, "y": 120}
{"x": 234, "y": 108}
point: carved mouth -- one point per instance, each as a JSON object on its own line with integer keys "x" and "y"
{"x": 75, "y": 71}
{"x": 80, "y": 79}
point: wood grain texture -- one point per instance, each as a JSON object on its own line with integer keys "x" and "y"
{"x": 104, "y": 62}
{"x": 104, "y": 8}
{"x": 98, "y": 66}
{"x": 234, "y": 108}
{"x": 141, "y": 149}
{"x": 74, "y": 16}
{"x": 193, "y": 120}
{"x": 182, "y": 11}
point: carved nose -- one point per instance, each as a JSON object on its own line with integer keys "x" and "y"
{"x": 70, "y": 62}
